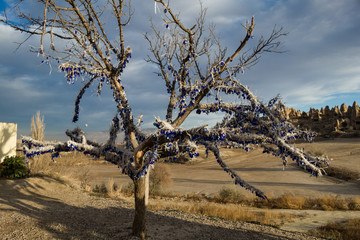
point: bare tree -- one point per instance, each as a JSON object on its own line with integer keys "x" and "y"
{"x": 198, "y": 73}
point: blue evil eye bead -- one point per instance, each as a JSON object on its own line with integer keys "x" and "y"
{"x": 198, "y": 111}
{"x": 222, "y": 63}
{"x": 165, "y": 10}
{"x": 184, "y": 42}
{"x": 167, "y": 26}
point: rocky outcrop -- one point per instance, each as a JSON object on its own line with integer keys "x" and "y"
{"x": 327, "y": 121}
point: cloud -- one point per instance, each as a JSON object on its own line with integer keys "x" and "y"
{"x": 322, "y": 53}
{"x": 23, "y": 86}
{"x": 322, "y": 61}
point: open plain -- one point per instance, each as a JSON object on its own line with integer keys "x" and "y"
{"x": 205, "y": 176}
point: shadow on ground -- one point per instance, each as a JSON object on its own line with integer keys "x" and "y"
{"x": 42, "y": 216}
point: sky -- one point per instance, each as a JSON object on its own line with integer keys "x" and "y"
{"x": 320, "y": 67}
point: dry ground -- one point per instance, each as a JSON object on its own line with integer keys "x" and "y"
{"x": 43, "y": 208}
{"x": 47, "y": 209}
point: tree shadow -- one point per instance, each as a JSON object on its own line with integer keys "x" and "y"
{"x": 102, "y": 218}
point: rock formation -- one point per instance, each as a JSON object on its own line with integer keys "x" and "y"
{"x": 327, "y": 122}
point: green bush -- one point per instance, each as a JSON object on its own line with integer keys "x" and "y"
{"x": 13, "y": 167}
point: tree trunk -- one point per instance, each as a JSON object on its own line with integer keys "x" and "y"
{"x": 139, "y": 224}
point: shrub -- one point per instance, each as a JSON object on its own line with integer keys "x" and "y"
{"x": 14, "y": 167}
{"x": 349, "y": 229}
{"x": 229, "y": 195}
{"x": 100, "y": 189}
{"x": 2, "y": 167}
{"x": 160, "y": 178}
{"x": 342, "y": 173}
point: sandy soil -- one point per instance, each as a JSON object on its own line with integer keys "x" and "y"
{"x": 39, "y": 208}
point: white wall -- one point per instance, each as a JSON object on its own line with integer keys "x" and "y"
{"x": 8, "y": 132}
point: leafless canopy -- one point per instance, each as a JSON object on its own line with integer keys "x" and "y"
{"x": 198, "y": 73}
{"x": 195, "y": 67}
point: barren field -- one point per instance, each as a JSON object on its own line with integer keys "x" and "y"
{"x": 44, "y": 208}
{"x": 204, "y": 176}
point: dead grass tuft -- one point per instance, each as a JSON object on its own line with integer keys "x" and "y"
{"x": 114, "y": 191}
{"x": 349, "y": 229}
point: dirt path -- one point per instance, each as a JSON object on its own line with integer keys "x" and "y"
{"x": 43, "y": 208}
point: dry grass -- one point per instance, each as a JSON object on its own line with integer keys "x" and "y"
{"x": 228, "y": 203}
{"x": 289, "y": 201}
{"x": 112, "y": 188}
{"x": 233, "y": 212}
{"x": 342, "y": 173}
{"x": 349, "y": 229}
{"x": 286, "y": 201}
{"x": 229, "y": 195}
{"x": 160, "y": 178}
{"x": 37, "y": 127}
{"x": 196, "y": 204}
{"x": 60, "y": 167}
